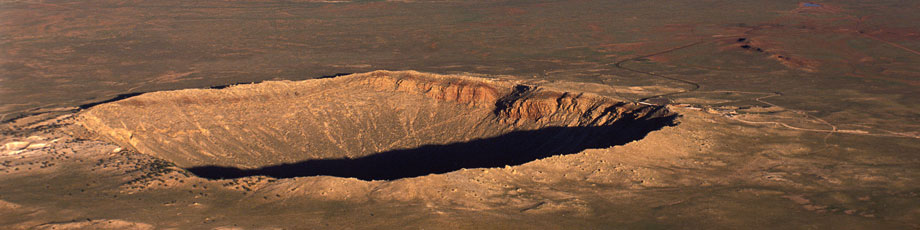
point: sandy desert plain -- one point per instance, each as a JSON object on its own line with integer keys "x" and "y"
{"x": 259, "y": 114}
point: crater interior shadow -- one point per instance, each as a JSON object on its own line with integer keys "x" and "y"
{"x": 513, "y": 148}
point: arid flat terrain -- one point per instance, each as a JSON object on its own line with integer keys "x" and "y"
{"x": 459, "y": 115}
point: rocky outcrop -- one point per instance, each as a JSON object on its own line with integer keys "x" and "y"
{"x": 462, "y": 90}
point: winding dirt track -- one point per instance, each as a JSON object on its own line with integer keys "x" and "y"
{"x": 694, "y": 86}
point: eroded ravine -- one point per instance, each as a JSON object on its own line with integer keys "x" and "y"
{"x": 377, "y": 125}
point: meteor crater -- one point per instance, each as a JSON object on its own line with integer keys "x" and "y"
{"x": 381, "y": 125}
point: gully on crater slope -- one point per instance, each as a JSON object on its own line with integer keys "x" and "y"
{"x": 379, "y": 125}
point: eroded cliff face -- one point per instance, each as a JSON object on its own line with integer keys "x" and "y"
{"x": 461, "y": 90}
{"x": 358, "y": 116}
{"x": 510, "y": 102}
